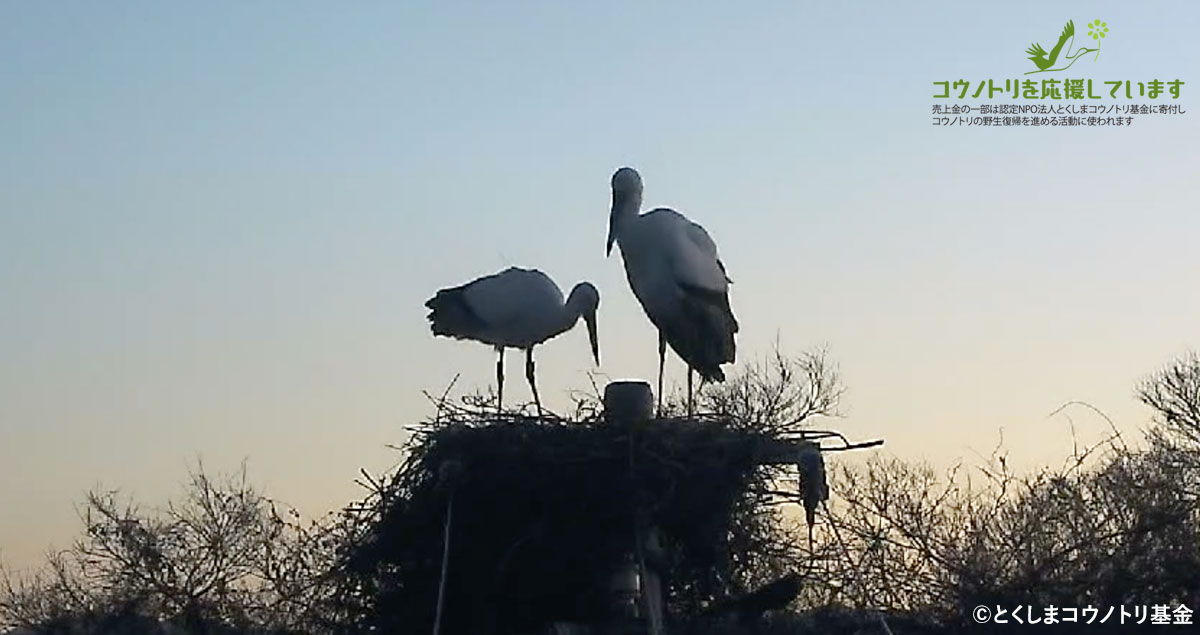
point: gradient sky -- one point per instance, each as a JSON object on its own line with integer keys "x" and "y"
{"x": 219, "y": 221}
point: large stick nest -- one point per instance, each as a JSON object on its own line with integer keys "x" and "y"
{"x": 544, "y": 510}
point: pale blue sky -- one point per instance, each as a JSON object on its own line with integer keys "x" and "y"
{"x": 219, "y": 221}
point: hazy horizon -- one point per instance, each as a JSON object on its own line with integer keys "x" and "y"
{"x": 220, "y": 223}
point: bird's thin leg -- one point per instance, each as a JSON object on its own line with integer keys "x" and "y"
{"x": 690, "y": 392}
{"x": 529, "y": 376}
{"x": 662, "y": 357}
{"x": 500, "y": 380}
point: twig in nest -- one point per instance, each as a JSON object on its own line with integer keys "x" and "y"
{"x": 854, "y": 446}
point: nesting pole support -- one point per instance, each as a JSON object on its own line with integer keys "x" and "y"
{"x": 630, "y": 404}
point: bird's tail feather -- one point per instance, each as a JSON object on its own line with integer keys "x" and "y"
{"x": 450, "y": 315}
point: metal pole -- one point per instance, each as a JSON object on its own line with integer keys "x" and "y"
{"x": 437, "y": 620}
{"x": 449, "y": 475}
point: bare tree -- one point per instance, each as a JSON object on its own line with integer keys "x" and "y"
{"x": 1174, "y": 394}
{"x": 778, "y": 393}
{"x": 221, "y": 554}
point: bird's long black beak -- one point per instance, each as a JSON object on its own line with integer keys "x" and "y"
{"x": 590, "y": 320}
{"x": 612, "y": 228}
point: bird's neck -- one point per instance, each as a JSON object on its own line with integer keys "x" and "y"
{"x": 565, "y": 319}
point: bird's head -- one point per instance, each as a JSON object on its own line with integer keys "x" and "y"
{"x": 585, "y": 300}
{"x": 627, "y": 199}
{"x": 626, "y": 180}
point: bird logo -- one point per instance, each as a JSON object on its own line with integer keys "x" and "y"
{"x": 1097, "y": 30}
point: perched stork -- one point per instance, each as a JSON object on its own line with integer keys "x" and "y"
{"x": 516, "y": 308}
{"x": 674, "y": 270}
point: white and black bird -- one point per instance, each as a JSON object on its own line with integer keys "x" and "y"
{"x": 677, "y": 276}
{"x": 515, "y": 308}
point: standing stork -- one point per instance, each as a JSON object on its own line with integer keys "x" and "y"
{"x": 516, "y": 308}
{"x": 674, "y": 270}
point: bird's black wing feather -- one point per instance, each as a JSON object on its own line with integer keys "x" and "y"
{"x": 702, "y": 331}
{"x": 717, "y": 299}
{"x": 451, "y": 315}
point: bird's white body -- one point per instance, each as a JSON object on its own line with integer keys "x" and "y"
{"x": 665, "y": 253}
{"x": 515, "y": 308}
{"x": 518, "y": 308}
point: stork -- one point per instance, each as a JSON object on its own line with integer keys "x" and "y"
{"x": 515, "y": 308}
{"x": 676, "y": 275}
